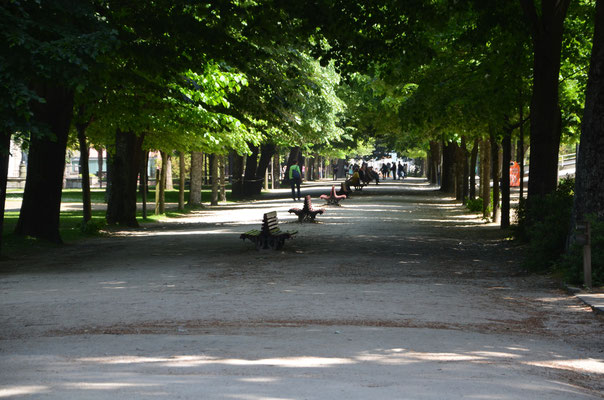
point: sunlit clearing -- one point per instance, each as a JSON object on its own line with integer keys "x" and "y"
{"x": 587, "y": 365}
{"x": 256, "y": 397}
{"x": 178, "y": 233}
{"x": 21, "y": 390}
{"x": 105, "y": 385}
{"x": 259, "y": 380}
{"x": 191, "y": 361}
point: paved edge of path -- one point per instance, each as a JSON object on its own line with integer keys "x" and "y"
{"x": 593, "y": 300}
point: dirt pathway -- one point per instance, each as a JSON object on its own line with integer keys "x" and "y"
{"x": 396, "y": 294}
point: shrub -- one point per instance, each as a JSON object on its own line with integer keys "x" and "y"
{"x": 545, "y": 226}
{"x": 474, "y": 205}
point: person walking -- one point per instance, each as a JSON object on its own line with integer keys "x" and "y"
{"x": 394, "y": 170}
{"x": 401, "y": 173}
{"x": 295, "y": 178}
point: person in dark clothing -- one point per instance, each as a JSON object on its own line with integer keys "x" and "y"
{"x": 295, "y": 177}
{"x": 394, "y": 170}
{"x": 401, "y": 173}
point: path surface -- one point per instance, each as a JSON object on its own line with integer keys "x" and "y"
{"x": 398, "y": 294}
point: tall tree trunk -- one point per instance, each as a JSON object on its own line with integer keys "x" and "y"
{"x": 448, "y": 168}
{"x": 182, "y": 177}
{"x": 266, "y": 154}
{"x": 237, "y": 184}
{"x": 546, "y": 29}
{"x": 520, "y": 155}
{"x": 276, "y": 169}
{"x": 464, "y": 175}
{"x": 144, "y": 182}
{"x": 99, "y": 151}
{"x": 160, "y": 185}
{"x": 294, "y": 155}
{"x": 215, "y": 178}
{"x": 41, "y": 206}
{"x": 196, "y": 179}
{"x": 472, "y": 169}
{"x": 125, "y": 165}
{"x": 496, "y": 169}
{"x": 4, "y": 158}
{"x": 434, "y": 155}
{"x": 84, "y": 170}
{"x": 589, "y": 183}
{"x": 506, "y": 144}
{"x": 252, "y": 184}
{"x": 485, "y": 176}
{"x": 169, "y": 178}
{"x": 222, "y": 178}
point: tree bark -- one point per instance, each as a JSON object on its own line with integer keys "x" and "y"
{"x": 266, "y": 155}
{"x": 215, "y": 178}
{"x": 196, "y": 179}
{"x": 546, "y": 29}
{"x": 434, "y": 156}
{"x": 181, "y": 181}
{"x": 496, "y": 169}
{"x": 252, "y": 184}
{"x": 485, "y": 176}
{"x": 294, "y": 155}
{"x": 84, "y": 170}
{"x": 506, "y": 144}
{"x": 169, "y": 177}
{"x": 41, "y": 206}
{"x": 99, "y": 151}
{"x": 125, "y": 166}
{"x": 589, "y": 182}
{"x": 276, "y": 169}
{"x": 448, "y": 168}
{"x": 520, "y": 155}
{"x": 4, "y": 158}
{"x": 472, "y": 169}
{"x": 237, "y": 184}
{"x": 144, "y": 182}
{"x": 222, "y": 178}
{"x": 160, "y": 185}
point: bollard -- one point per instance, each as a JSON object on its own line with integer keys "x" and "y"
{"x": 584, "y": 238}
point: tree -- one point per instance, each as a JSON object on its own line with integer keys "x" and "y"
{"x": 546, "y": 26}
{"x": 48, "y": 60}
{"x": 589, "y": 181}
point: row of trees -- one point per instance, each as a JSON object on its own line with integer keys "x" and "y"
{"x": 321, "y": 77}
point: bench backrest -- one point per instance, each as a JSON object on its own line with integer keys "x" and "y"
{"x": 270, "y": 221}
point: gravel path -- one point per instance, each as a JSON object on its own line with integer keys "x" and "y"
{"x": 398, "y": 294}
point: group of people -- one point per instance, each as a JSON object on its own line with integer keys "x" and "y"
{"x": 358, "y": 174}
{"x": 397, "y": 170}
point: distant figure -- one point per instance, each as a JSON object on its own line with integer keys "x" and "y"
{"x": 383, "y": 170}
{"x": 295, "y": 177}
{"x": 401, "y": 172}
{"x": 394, "y": 170}
{"x": 335, "y": 172}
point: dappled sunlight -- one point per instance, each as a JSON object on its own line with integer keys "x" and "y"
{"x": 256, "y": 397}
{"x": 590, "y": 365}
{"x": 25, "y": 390}
{"x": 180, "y": 233}
{"x": 107, "y": 385}
{"x": 194, "y": 361}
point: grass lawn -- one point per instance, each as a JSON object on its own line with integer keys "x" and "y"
{"x": 71, "y": 228}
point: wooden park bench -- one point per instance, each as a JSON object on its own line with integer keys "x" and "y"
{"x": 333, "y": 198}
{"x": 306, "y": 213}
{"x": 269, "y": 236}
